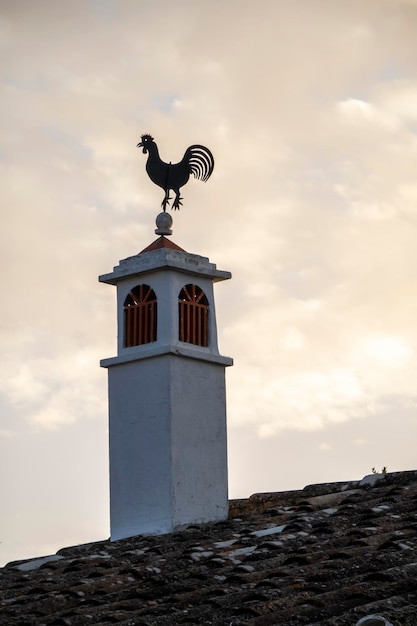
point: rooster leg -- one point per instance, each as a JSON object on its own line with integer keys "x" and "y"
{"x": 177, "y": 202}
{"x": 165, "y": 201}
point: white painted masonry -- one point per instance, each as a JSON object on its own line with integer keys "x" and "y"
{"x": 167, "y": 406}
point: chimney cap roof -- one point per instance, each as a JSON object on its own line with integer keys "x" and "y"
{"x": 162, "y": 242}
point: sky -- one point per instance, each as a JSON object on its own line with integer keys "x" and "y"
{"x": 310, "y": 110}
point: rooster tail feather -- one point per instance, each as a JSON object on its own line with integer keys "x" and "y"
{"x": 201, "y": 162}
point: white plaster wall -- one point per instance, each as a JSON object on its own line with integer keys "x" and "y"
{"x": 199, "y": 441}
{"x": 168, "y": 448}
{"x": 140, "y": 449}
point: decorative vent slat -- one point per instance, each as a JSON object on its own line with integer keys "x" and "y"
{"x": 140, "y": 311}
{"x": 193, "y": 310}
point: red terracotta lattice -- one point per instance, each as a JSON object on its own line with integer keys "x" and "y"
{"x": 193, "y": 315}
{"x": 140, "y": 311}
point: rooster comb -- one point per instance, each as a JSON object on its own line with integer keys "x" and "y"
{"x": 147, "y": 136}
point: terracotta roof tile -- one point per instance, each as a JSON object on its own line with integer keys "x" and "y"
{"x": 162, "y": 242}
{"x": 327, "y": 555}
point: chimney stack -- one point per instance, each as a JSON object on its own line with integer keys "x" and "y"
{"x": 167, "y": 400}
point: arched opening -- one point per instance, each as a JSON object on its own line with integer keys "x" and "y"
{"x": 140, "y": 316}
{"x": 193, "y": 315}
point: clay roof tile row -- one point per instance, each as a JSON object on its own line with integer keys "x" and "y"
{"x": 328, "y": 555}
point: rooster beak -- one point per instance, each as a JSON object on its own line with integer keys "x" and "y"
{"x": 140, "y": 145}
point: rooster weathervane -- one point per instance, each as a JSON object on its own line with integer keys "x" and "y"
{"x": 197, "y": 160}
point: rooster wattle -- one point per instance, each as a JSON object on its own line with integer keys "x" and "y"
{"x": 197, "y": 160}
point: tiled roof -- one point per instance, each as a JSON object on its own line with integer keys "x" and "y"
{"x": 329, "y": 554}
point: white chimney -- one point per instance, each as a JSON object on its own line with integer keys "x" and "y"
{"x": 167, "y": 401}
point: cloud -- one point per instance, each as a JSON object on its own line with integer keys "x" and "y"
{"x": 6, "y": 433}
{"x": 309, "y": 111}
{"x": 314, "y": 182}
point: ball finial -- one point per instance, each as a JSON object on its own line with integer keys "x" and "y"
{"x": 164, "y": 224}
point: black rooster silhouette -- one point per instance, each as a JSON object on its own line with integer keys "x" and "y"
{"x": 197, "y": 160}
